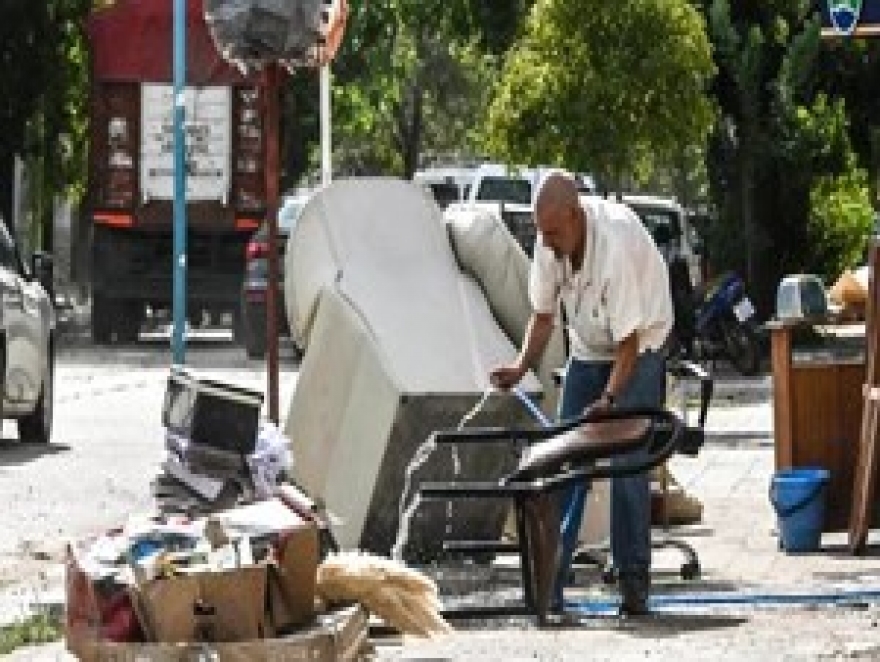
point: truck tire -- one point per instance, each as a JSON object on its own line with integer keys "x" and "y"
{"x": 102, "y": 319}
{"x": 128, "y": 315}
{"x": 36, "y": 427}
{"x": 237, "y": 326}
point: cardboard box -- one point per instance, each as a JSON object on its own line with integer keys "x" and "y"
{"x": 293, "y": 581}
{"x": 338, "y": 636}
{"x": 249, "y": 603}
{"x": 236, "y": 598}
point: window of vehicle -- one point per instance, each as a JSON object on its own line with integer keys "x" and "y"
{"x": 445, "y": 193}
{"x": 661, "y": 223}
{"x": 504, "y": 189}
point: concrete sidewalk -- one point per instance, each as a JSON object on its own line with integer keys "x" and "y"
{"x": 752, "y": 600}
{"x": 739, "y": 554}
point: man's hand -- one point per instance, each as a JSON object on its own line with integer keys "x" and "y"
{"x": 538, "y": 332}
{"x": 506, "y": 377}
{"x": 603, "y": 404}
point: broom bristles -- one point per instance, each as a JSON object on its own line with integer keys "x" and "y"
{"x": 401, "y": 596}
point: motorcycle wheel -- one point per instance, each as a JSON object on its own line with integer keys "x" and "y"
{"x": 742, "y": 347}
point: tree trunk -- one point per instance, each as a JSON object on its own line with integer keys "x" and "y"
{"x": 412, "y": 147}
{"x": 747, "y": 202}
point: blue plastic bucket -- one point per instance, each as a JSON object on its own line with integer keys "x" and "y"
{"x": 798, "y": 496}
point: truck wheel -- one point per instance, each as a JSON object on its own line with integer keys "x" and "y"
{"x": 102, "y": 319}
{"x": 237, "y": 326}
{"x": 128, "y": 320}
{"x": 36, "y": 427}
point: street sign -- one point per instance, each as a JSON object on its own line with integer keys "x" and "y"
{"x": 850, "y": 18}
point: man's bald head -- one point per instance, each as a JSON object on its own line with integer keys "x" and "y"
{"x": 558, "y": 192}
{"x": 559, "y": 217}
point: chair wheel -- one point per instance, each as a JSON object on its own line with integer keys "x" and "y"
{"x": 690, "y": 570}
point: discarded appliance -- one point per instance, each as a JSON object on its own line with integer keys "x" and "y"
{"x": 219, "y": 452}
{"x": 399, "y": 343}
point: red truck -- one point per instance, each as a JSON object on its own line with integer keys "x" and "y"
{"x": 131, "y": 174}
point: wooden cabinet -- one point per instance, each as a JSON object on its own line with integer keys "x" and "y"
{"x": 817, "y": 411}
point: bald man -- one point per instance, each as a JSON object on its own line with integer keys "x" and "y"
{"x": 599, "y": 260}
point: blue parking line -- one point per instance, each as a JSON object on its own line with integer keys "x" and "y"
{"x": 662, "y": 602}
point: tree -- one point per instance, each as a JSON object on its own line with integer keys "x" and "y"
{"x": 780, "y": 145}
{"x": 765, "y": 53}
{"x": 608, "y": 88}
{"x": 410, "y": 80}
{"x": 43, "y": 83}
{"x": 850, "y": 68}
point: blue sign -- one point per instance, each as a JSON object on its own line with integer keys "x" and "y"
{"x": 846, "y": 18}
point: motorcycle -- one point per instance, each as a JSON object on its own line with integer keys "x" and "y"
{"x": 720, "y": 324}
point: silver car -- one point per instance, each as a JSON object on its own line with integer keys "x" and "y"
{"x": 27, "y": 331}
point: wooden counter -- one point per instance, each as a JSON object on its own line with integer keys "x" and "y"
{"x": 817, "y": 407}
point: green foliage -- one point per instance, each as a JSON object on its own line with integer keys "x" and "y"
{"x": 43, "y": 81}
{"x": 841, "y": 220}
{"x": 38, "y": 629}
{"x": 764, "y": 150}
{"x": 596, "y": 86}
{"x": 411, "y": 78}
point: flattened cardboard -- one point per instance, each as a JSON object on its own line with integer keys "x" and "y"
{"x": 340, "y": 636}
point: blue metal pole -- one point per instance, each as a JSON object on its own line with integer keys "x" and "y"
{"x": 178, "y": 339}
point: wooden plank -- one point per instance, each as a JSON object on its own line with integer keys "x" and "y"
{"x": 866, "y": 466}
{"x": 783, "y": 414}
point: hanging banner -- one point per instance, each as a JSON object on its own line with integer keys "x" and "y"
{"x": 850, "y": 18}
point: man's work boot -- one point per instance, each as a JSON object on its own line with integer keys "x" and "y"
{"x": 634, "y": 591}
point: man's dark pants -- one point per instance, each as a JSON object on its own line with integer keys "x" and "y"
{"x": 630, "y": 495}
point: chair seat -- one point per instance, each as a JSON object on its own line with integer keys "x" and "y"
{"x": 584, "y": 444}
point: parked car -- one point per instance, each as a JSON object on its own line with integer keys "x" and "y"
{"x": 27, "y": 340}
{"x": 256, "y": 279}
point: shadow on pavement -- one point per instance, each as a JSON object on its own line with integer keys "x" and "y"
{"x": 737, "y": 439}
{"x": 669, "y": 625}
{"x": 15, "y": 453}
{"x": 841, "y": 551}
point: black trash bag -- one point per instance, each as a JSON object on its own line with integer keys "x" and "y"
{"x": 252, "y": 33}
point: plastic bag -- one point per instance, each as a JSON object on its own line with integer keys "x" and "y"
{"x": 270, "y": 461}
{"x": 252, "y": 33}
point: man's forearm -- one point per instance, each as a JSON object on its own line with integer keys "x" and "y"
{"x": 625, "y": 357}
{"x": 538, "y": 332}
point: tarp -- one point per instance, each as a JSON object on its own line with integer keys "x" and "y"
{"x": 132, "y": 41}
